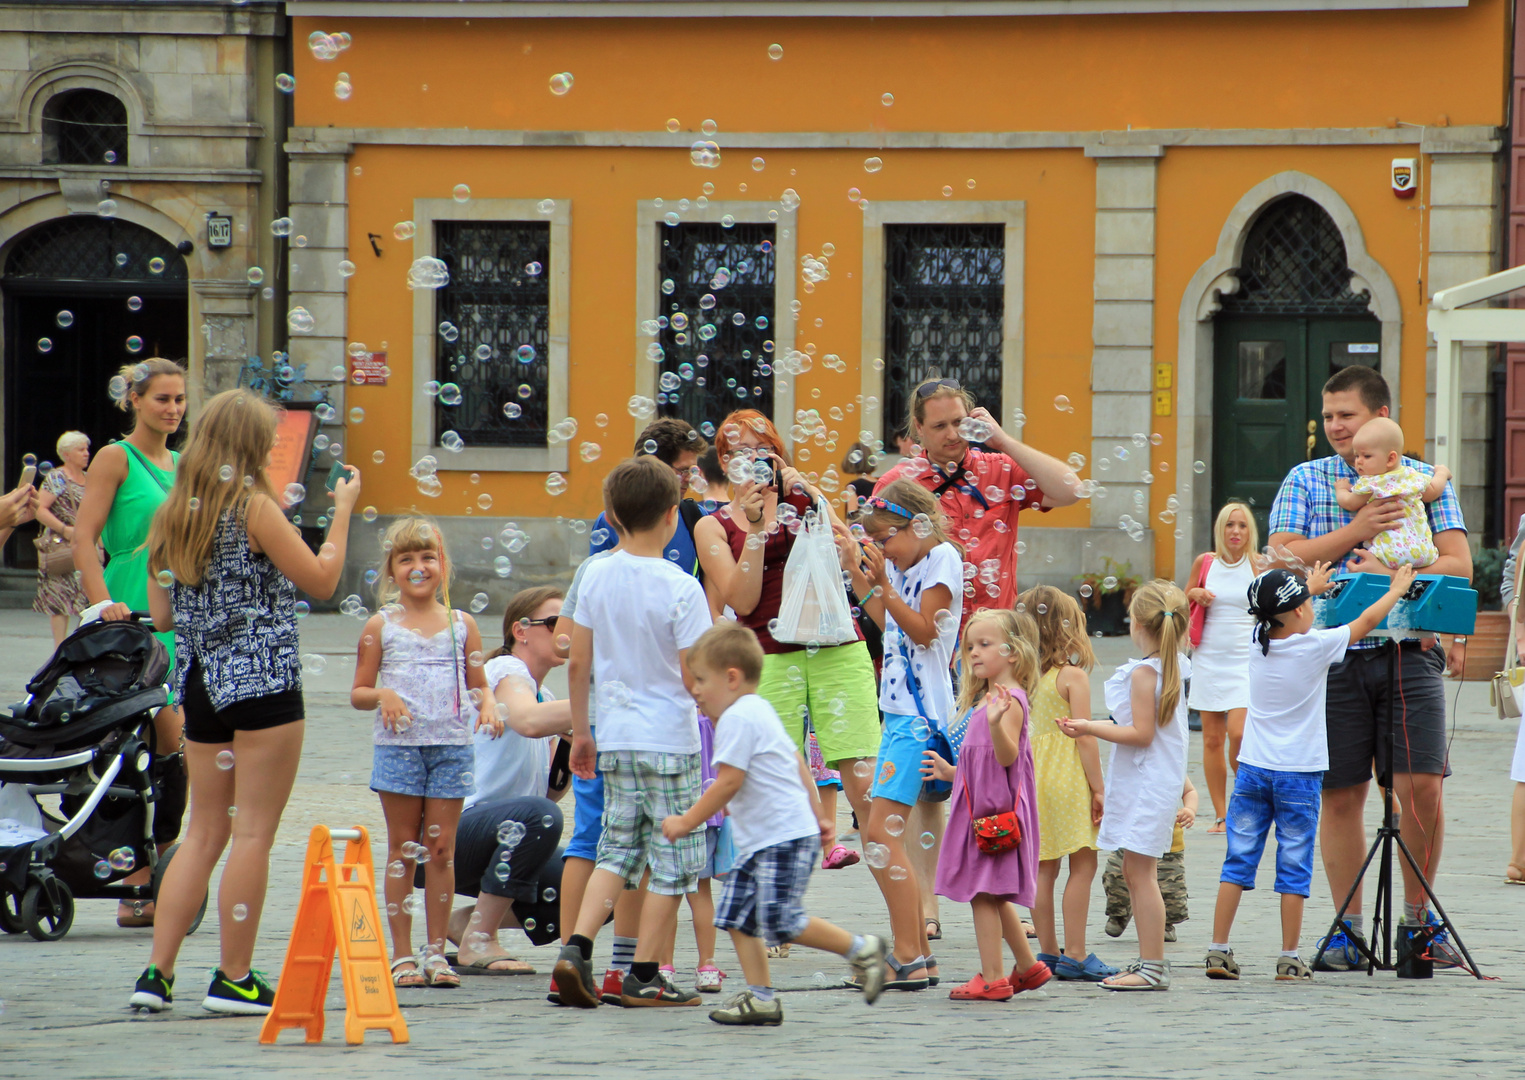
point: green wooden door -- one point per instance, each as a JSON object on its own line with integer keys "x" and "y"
{"x": 1267, "y": 403}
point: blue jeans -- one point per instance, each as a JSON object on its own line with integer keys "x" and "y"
{"x": 1290, "y": 801}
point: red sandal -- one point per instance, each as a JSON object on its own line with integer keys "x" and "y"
{"x": 977, "y": 989}
{"x": 1030, "y": 979}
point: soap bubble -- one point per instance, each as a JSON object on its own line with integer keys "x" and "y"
{"x": 346, "y": 268}
{"x": 876, "y": 855}
{"x": 641, "y": 407}
{"x": 428, "y": 272}
{"x": 300, "y": 320}
{"x": 894, "y": 825}
{"x": 343, "y": 88}
{"x": 555, "y": 484}
{"x": 122, "y": 859}
{"x": 484, "y": 501}
{"x": 314, "y": 664}
{"x": 404, "y": 230}
{"x": 356, "y": 415}
{"x": 461, "y": 193}
{"x": 533, "y": 269}
{"x": 134, "y": 344}
{"x": 285, "y": 83}
{"x": 449, "y": 394}
{"x": 525, "y": 354}
{"x": 513, "y": 410}
{"x": 134, "y": 303}
{"x": 928, "y": 841}
{"x": 503, "y": 566}
{"x": 164, "y": 578}
{"x": 1199, "y": 467}
{"x": 65, "y": 319}
{"x": 294, "y": 494}
{"x": 775, "y": 52}
{"x": 546, "y": 206}
{"x": 479, "y": 603}
{"x": 897, "y": 873}
{"x": 225, "y": 760}
{"x": 887, "y": 100}
{"x": 1062, "y": 403}
{"x": 862, "y": 769}
{"x": 921, "y": 525}
{"x": 102, "y": 869}
{"x": 561, "y": 82}
{"x": 44, "y": 345}
{"x": 872, "y": 164}
{"x": 240, "y": 912}
{"x": 106, "y": 208}
{"x": 281, "y": 226}
{"x": 705, "y": 154}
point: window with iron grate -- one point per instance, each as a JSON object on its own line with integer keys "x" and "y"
{"x": 85, "y": 247}
{"x": 715, "y": 321}
{"x": 943, "y": 311}
{"x": 1294, "y": 264}
{"x": 84, "y": 127}
{"x": 498, "y": 302}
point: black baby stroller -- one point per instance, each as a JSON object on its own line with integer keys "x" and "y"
{"x": 84, "y": 733}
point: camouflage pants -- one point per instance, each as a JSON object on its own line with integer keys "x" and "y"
{"x": 1172, "y": 875}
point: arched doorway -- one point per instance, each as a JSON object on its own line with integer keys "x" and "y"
{"x": 1293, "y": 321}
{"x": 82, "y": 296}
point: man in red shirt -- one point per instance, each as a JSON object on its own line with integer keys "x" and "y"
{"x": 981, "y": 491}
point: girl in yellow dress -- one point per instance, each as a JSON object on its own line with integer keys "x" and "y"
{"x": 1069, "y": 781}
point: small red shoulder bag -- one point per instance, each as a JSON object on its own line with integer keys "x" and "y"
{"x": 998, "y": 833}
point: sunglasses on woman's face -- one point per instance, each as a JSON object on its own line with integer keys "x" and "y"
{"x": 549, "y": 622}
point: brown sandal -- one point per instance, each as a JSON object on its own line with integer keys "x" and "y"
{"x": 141, "y": 914}
{"x": 1514, "y": 875}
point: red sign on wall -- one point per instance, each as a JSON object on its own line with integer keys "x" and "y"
{"x": 368, "y": 369}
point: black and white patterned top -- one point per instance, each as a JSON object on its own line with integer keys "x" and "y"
{"x": 239, "y": 624}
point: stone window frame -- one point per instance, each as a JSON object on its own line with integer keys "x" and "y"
{"x": 649, "y": 214}
{"x": 1010, "y": 213}
{"x": 426, "y": 323}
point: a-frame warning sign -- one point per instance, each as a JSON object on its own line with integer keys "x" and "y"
{"x": 337, "y": 913}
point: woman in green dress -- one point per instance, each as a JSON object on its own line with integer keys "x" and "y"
{"x": 124, "y": 487}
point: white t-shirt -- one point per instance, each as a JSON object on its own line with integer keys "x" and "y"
{"x": 1285, "y": 726}
{"x": 931, "y": 666}
{"x": 642, "y": 613}
{"x": 569, "y": 610}
{"x": 771, "y": 806}
{"x": 511, "y": 766}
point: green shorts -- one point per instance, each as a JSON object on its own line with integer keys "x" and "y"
{"x": 836, "y": 687}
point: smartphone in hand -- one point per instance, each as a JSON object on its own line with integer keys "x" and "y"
{"x": 337, "y": 473}
{"x": 27, "y": 475}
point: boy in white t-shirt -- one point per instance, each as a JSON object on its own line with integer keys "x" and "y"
{"x": 1284, "y": 753}
{"x": 636, "y": 619}
{"x": 778, "y": 824}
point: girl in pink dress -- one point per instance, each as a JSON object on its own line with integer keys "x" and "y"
{"x": 994, "y": 775}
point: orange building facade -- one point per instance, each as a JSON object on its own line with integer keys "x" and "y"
{"x": 1145, "y": 238}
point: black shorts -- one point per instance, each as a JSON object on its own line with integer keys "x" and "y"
{"x": 1356, "y": 710}
{"x": 206, "y": 724}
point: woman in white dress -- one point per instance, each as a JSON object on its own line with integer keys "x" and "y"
{"x": 1220, "y": 664}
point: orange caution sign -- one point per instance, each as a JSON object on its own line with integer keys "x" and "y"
{"x": 337, "y": 912}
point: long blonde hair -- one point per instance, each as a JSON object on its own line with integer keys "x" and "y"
{"x": 1019, "y": 635}
{"x": 1062, "y": 637}
{"x": 407, "y": 534}
{"x": 1159, "y": 608}
{"x": 1220, "y": 530}
{"x": 236, "y": 431}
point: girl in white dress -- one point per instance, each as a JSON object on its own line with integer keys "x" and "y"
{"x": 1220, "y": 664}
{"x": 1148, "y": 768}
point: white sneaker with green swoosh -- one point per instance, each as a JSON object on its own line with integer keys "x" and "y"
{"x": 249, "y": 996}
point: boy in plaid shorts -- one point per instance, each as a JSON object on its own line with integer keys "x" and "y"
{"x": 778, "y": 824}
{"x": 636, "y": 619}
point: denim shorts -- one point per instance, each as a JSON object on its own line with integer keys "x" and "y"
{"x": 428, "y": 772}
{"x": 1290, "y": 801}
{"x": 900, "y": 748}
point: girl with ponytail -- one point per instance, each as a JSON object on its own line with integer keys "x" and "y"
{"x": 1148, "y": 769}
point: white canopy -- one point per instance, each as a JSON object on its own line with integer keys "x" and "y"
{"x": 1453, "y": 322}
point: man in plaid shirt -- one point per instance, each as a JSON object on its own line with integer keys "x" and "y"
{"x": 1307, "y": 520}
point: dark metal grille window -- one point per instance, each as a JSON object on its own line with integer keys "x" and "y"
{"x": 1294, "y": 264}
{"x": 84, "y": 127}
{"x": 716, "y": 316}
{"x": 498, "y": 296}
{"x": 90, "y": 248}
{"x": 944, "y": 304}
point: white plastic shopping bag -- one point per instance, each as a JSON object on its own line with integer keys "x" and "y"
{"x": 813, "y": 609}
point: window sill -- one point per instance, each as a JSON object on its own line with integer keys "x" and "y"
{"x": 498, "y": 458}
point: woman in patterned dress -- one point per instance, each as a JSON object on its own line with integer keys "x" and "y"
{"x": 60, "y": 596}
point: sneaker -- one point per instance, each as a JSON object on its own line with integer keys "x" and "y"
{"x": 1290, "y": 969}
{"x": 1441, "y": 950}
{"x": 573, "y": 976}
{"x": 1091, "y": 969}
{"x": 1170, "y": 931}
{"x": 661, "y": 991}
{"x": 249, "y": 996}
{"x": 744, "y": 1010}
{"x": 1115, "y": 926}
{"x": 1220, "y": 964}
{"x": 1340, "y": 950}
{"x": 869, "y": 967}
{"x": 708, "y": 979}
{"x": 614, "y": 983}
{"x": 152, "y": 991}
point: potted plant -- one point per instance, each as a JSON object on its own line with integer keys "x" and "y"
{"x": 1486, "y": 644}
{"x": 1105, "y": 595}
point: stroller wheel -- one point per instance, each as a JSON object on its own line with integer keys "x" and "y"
{"x": 10, "y": 913}
{"x": 45, "y": 919}
{"x": 160, "y": 869}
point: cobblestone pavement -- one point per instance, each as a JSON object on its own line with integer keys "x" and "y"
{"x": 64, "y": 1004}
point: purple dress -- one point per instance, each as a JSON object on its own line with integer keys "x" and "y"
{"x": 963, "y": 871}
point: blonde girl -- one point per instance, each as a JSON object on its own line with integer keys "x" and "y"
{"x": 1220, "y": 663}
{"x": 994, "y": 775}
{"x": 226, "y": 565}
{"x": 911, "y": 583}
{"x": 1069, "y": 783}
{"x": 420, "y": 669}
{"x": 1148, "y": 768}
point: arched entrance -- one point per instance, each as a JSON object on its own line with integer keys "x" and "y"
{"x": 1292, "y": 322}
{"x": 83, "y": 295}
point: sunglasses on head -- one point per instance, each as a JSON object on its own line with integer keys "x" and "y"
{"x": 927, "y": 389}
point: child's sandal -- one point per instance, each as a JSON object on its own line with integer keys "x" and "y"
{"x": 410, "y": 979}
{"x": 1153, "y": 975}
{"x": 439, "y": 974}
